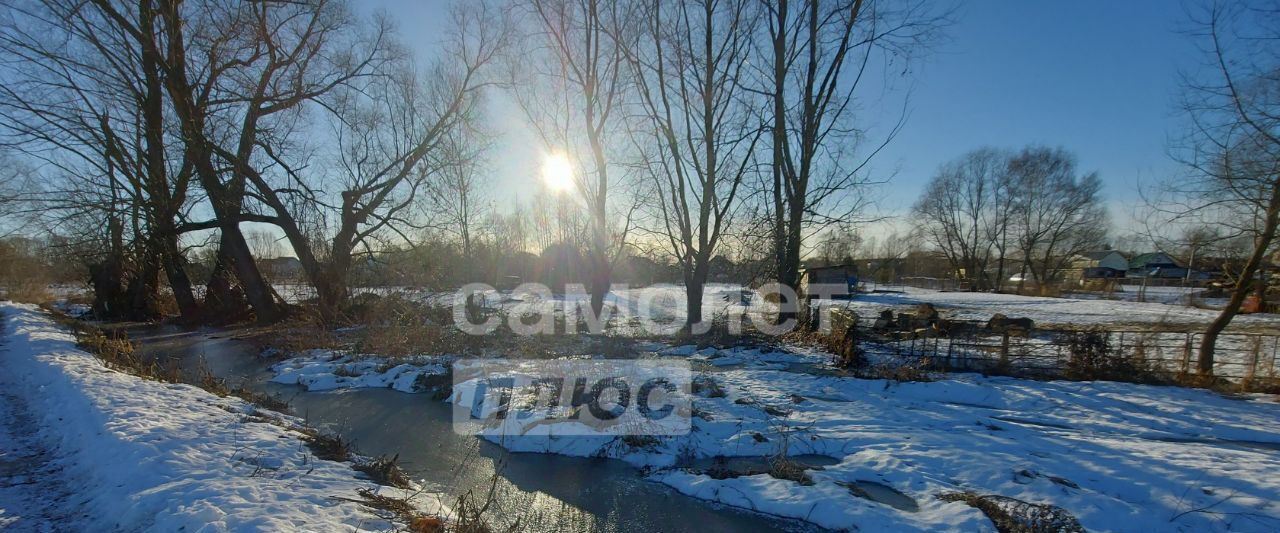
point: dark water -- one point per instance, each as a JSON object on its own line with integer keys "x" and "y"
{"x": 537, "y": 492}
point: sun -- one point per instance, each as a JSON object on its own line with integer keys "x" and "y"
{"x": 557, "y": 172}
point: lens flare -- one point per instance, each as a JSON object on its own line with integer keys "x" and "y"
{"x": 557, "y": 172}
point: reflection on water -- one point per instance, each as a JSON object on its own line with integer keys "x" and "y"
{"x": 536, "y": 492}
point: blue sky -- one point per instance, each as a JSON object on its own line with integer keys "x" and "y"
{"x": 1097, "y": 77}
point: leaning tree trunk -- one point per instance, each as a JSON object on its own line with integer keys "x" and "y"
{"x": 180, "y": 283}
{"x": 255, "y": 287}
{"x": 1241, "y": 291}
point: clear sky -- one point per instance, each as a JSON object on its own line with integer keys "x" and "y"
{"x": 1097, "y": 77}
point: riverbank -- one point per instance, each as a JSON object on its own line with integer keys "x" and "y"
{"x": 99, "y": 449}
{"x": 773, "y": 433}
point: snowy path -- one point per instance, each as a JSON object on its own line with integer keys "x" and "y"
{"x": 88, "y": 448}
{"x": 30, "y": 484}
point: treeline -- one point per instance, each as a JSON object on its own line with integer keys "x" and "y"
{"x": 691, "y": 131}
{"x": 991, "y": 208}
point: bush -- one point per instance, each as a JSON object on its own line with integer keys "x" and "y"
{"x": 396, "y": 326}
{"x": 1093, "y": 358}
{"x": 328, "y": 447}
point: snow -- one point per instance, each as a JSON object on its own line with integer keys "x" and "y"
{"x": 321, "y": 370}
{"x": 665, "y": 303}
{"x": 1165, "y": 295}
{"x": 1119, "y": 457}
{"x": 137, "y": 455}
{"x": 1138, "y": 456}
{"x": 1047, "y": 312}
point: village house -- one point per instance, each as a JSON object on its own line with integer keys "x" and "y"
{"x": 1102, "y": 264}
{"x": 1156, "y": 265}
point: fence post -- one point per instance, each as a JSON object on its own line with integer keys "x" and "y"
{"x": 1186, "y": 355}
{"x": 1004, "y": 350}
{"x": 951, "y": 345}
{"x": 1275, "y": 349}
{"x": 1254, "y": 355}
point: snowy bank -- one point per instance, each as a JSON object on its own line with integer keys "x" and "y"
{"x": 321, "y": 370}
{"x": 141, "y": 455}
{"x": 1116, "y": 456}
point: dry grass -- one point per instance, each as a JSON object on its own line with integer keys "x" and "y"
{"x": 327, "y": 446}
{"x": 117, "y": 352}
{"x": 385, "y": 471}
{"x": 298, "y": 334}
{"x": 395, "y": 326}
{"x": 471, "y": 508}
{"x": 400, "y": 509}
{"x": 1015, "y": 516}
{"x": 259, "y": 399}
{"x": 782, "y": 467}
{"x": 29, "y": 292}
{"x": 907, "y": 371}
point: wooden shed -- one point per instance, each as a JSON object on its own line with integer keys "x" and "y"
{"x": 829, "y": 275}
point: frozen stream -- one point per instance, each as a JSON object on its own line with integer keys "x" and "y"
{"x": 544, "y": 492}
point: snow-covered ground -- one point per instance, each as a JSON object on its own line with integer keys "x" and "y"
{"x": 666, "y": 303}
{"x": 1163, "y": 295}
{"x": 1118, "y": 457}
{"x": 86, "y": 448}
{"x": 1049, "y": 312}
{"x": 321, "y": 370}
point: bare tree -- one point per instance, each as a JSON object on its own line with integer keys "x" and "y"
{"x": 1232, "y": 148}
{"x": 571, "y": 85}
{"x": 236, "y": 76}
{"x": 87, "y": 100}
{"x": 457, "y": 192}
{"x": 960, "y": 212}
{"x": 1057, "y": 213}
{"x": 699, "y": 124}
{"x": 817, "y": 53}
{"x": 393, "y": 130}
{"x": 843, "y": 243}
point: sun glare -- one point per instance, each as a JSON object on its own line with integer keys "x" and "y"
{"x": 557, "y": 172}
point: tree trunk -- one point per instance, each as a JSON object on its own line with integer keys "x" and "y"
{"x": 599, "y": 288}
{"x": 223, "y": 299}
{"x": 695, "y": 281}
{"x": 1261, "y": 245}
{"x": 227, "y": 200}
{"x": 999, "y": 285}
{"x": 144, "y": 289}
{"x": 180, "y": 284}
{"x": 164, "y": 202}
{"x": 265, "y": 307}
{"x": 783, "y": 266}
{"x": 331, "y": 285}
{"x": 693, "y": 301}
